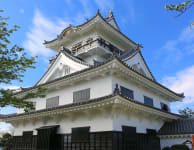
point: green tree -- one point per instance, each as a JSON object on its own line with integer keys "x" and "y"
{"x": 6, "y": 141}
{"x": 13, "y": 64}
{"x": 180, "y": 7}
{"x": 188, "y": 112}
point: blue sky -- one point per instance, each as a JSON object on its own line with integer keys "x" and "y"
{"x": 168, "y": 41}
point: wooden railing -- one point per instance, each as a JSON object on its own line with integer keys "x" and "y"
{"x": 105, "y": 44}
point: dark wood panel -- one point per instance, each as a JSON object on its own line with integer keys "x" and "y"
{"x": 97, "y": 141}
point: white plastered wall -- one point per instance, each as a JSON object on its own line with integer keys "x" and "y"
{"x": 139, "y": 93}
{"x": 91, "y": 59}
{"x": 142, "y": 123}
{"x": 98, "y": 87}
{"x": 98, "y": 123}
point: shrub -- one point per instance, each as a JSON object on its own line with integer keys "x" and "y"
{"x": 179, "y": 147}
{"x": 166, "y": 148}
{"x": 5, "y": 141}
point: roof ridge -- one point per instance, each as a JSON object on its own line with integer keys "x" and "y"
{"x": 105, "y": 62}
{"x": 129, "y": 53}
{"x": 98, "y": 99}
{"x": 77, "y": 26}
{"x": 179, "y": 126}
{"x": 104, "y": 19}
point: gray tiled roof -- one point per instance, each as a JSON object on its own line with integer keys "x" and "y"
{"x": 67, "y": 53}
{"x": 98, "y": 14}
{"x": 99, "y": 99}
{"x": 181, "y": 126}
{"x": 96, "y": 66}
{"x": 127, "y": 54}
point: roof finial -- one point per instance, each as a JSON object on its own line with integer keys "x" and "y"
{"x": 139, "y": 46}
{"x": 110, "y": 13}
{"x": 98, "y": 11}
{"x": 116, "y": 90}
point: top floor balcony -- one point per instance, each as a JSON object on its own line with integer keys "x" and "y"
{"x": 96, "y": 46}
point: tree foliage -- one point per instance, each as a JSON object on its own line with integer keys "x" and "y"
{"x": 188, "y": 112}
{"x": 177, "y": 147}
{"x": 180, "y": 7}
{"x": 6, "y": 141}
{"x": 13, "y": 63}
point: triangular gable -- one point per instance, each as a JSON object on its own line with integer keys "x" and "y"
{"x": 137, "y": 62}
{"x": 63, "y": 65}
{"x": 113, "y": 22}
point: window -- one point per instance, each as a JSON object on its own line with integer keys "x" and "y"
{"x": 66, "y": 70}
{"x": 164, "y": 106}
{"x": 128, "y": 131}
{"x": 27, "y": 136}
{"x": 81, "y": 96}
{"x": 80, "y": 134}
{"x": 52, "y": 102}
{"x": 148, "y": 101}
{"x": 127, "y": 92}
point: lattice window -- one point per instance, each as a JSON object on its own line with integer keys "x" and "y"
{"x": 127, "y": 92}
{"x": 66, "y": 70}
{"x": 52, "y": 102}
{"x": 82, "y": 95}
{"x": 148, "y": 101}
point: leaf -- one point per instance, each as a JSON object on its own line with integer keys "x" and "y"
{"x": 13, "y": 63}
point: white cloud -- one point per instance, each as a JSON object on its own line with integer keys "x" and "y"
{"x": 177, "y": 48}
{"x": 42, "y": 29}
{"x": 21, "y": 10}
{"x": 182, "y": 82}
{"x": 5, "y": 128}
{"x": 9, "y": 87}
{"x": 187, "y": 35}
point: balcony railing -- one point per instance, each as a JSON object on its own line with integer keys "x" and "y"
{"x": 76, "y": 50}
